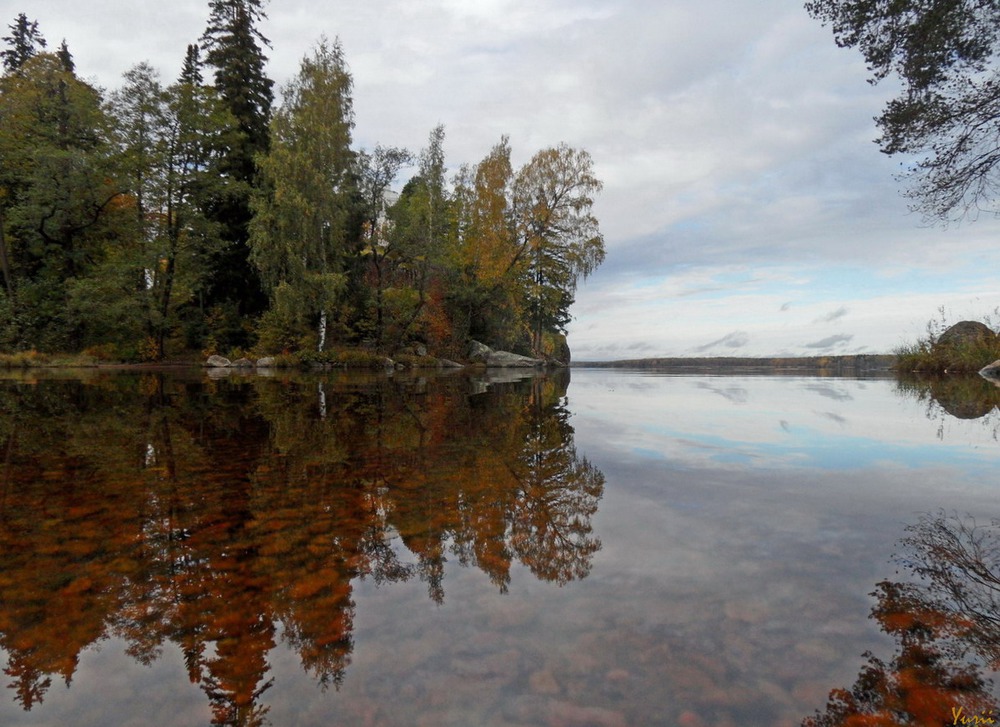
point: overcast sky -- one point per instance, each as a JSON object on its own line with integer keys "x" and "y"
{"x": 746, "y": 210}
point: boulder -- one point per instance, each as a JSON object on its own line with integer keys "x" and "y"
{"x": 478, "y": 352}
{"x": 218, "y": 362}
{"x": 265, "y": 362}
{"x": 242, "y": 363}
{"x": 481, "y": 353}
{"x": 965, "y": 332}
{"x": 506, "y": 359}
{"x": 991, "y": 371}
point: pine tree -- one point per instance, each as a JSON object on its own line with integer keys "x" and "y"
{"x": 24, "y": 41}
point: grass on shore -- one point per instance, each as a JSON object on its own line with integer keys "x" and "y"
{"x": 36, "y": 359}
{"x": 929, "y": 356}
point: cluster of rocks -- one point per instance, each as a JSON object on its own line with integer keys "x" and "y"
{"x": 479, "y": 354}
{"x": 221, "y": 362}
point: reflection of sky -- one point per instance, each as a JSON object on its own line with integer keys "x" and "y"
{"x": 760, "y": 512}
{"x": 837, "y": 424}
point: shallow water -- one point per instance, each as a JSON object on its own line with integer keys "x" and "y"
{"x": 618, "y": 549}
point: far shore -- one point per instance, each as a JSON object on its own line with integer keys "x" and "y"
{"x": 859, "y": 364}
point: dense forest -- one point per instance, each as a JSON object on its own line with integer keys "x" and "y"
{"x": 158, "y": 220}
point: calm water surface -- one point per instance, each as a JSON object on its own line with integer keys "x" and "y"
{"x": 621, "y": 549}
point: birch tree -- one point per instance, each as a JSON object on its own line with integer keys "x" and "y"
{"x": 299, "y": 236}
{"x": 560, "y": 237}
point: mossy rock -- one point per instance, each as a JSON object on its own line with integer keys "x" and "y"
{"x": 965, "y": 333}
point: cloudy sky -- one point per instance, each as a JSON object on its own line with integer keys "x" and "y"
{"x": 746, "y": 210}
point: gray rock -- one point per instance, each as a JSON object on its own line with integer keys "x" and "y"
{"x": 218, "y": 362}
{"x": 479, "y": 352}
{"x": 420, "y": 349}
{"x": 266, "y": 362}
{"x": 448, "y": 364}
{"x": 506, "y": 359}
{"x": 242, "y": 363}
{"x": 991, "y": 371}
{"x": 965, "y": 332}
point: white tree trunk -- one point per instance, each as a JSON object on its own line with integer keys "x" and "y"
{"x": 321, "y": 392}
{"x": 322, "y": 331}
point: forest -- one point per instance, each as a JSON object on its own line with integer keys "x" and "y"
{"x": 173, "y": 220}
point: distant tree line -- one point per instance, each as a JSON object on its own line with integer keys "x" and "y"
{"x": 162, "y": 218}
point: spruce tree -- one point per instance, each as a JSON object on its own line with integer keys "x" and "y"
{"x": 66, "y": 58}
{"x": 23, "y": 42}
{"x": 234, "y": 48}
{"x": 191, "y": 70}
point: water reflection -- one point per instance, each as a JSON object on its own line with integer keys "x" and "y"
{"x": 225, "y": 516}
{"x": 945, "y": 619}
{"x": 962, "y": 397}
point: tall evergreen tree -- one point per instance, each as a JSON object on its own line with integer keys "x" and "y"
{"x": 24, "y": 41}
{"x": 234, "y": 48}
{"x": 191, "y": 69}
{"x": 66, "y": 58}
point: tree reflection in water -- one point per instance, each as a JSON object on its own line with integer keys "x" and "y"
{"x": 224, "y": 516}
{"x": 946, "y": 622}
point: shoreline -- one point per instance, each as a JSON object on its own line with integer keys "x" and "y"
{"x": 860, "y": 364}
{"x": 863, "y": 364}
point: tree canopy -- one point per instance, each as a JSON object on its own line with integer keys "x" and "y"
{"x": 947, "y": 114}
{"x": 159, "y": 219}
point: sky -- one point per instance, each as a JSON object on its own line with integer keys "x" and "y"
{"x": 746, "y": 210}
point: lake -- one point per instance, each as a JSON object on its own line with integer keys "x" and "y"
{"x": 595, "y": 547}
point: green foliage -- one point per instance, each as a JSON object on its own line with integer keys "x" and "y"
{"x": 299, "y": 235}
{"x": 128, "y": 222}
{"x": 234, "y": 48}
{"x": 170, "y": 144}
{"x": 58, "y": 197}
{"x": 553, "y": 196}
